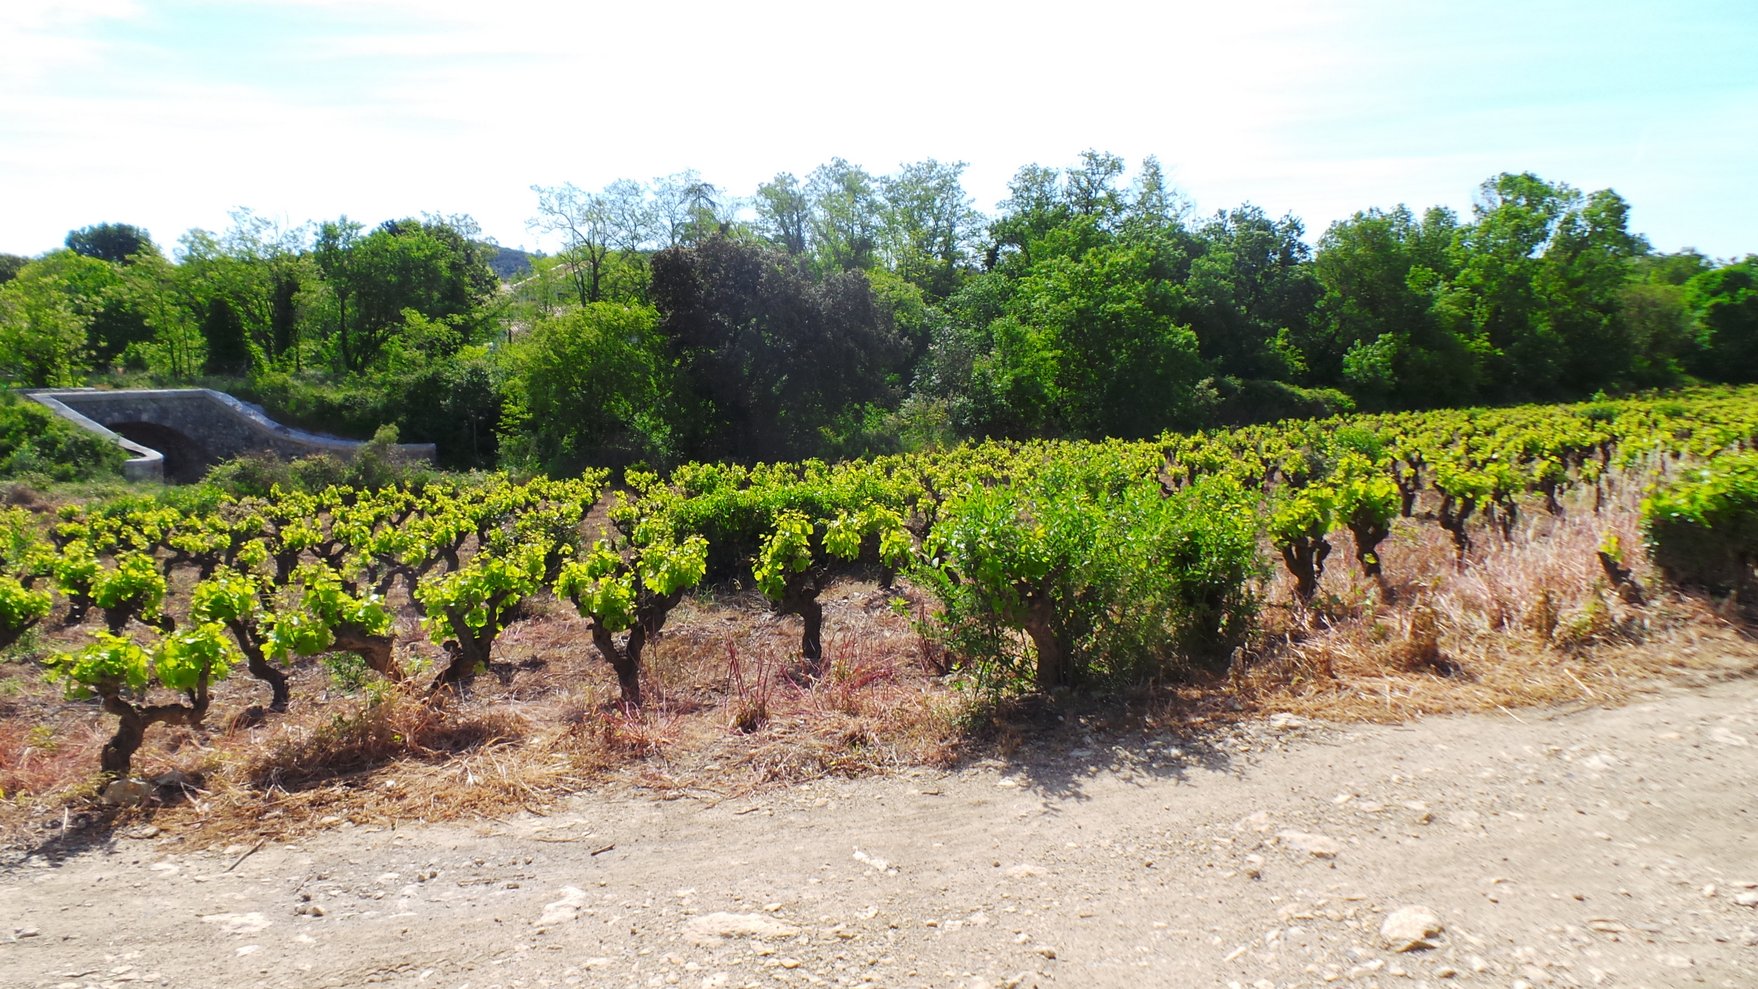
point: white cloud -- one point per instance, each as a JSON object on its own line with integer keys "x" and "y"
{"x": 41, "y": 36}
{"x": 183, "y": 109}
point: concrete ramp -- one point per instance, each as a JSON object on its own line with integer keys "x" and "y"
{"x": 176, "y": 434}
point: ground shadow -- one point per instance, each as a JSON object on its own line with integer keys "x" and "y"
{"x": 1055, "y": 744}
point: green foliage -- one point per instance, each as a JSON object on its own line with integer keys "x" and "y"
{"x": 786, "y": 551}
{"x": 112, "y": 665}
{"x": 1206, "y": 555}
{"x": 588, "y": 386}
{"x": 1103, "y": 583}
{"x": 608, "y": 588}
{"x": 474, "y": 597}
{"x": 1702, "y": 528}
{"x": 191, "y": 657}
{"x": 134, "y": 585}
{"x": 1243, "y": 403}
{"x": 20, "y": 608}
{"x": 1303, "y": 514}
{"x": 46, "y": 314}
{"x": 35, "y": 442}
{"x": 767, "y": 353}
{"x": 116, "y": 666}
{"x": 117, "y": 243}
{"x": 1725, "y": 301}
{"x": 430, "y": 267}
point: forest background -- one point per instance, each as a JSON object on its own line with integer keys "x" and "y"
{"x": 851, "y": 313}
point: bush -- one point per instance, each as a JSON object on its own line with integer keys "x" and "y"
{"x": 1246, "y": 402}
{"x": 1702, "y": 528}
{"x": 37, "y": 442}
{"x": 454, "y": 403}
{"x": 1056, "y": 581}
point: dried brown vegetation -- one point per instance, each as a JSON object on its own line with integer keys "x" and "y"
{"x": 1525, "y": 619}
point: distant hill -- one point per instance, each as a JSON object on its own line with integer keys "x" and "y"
{"x": 508, "y": 263}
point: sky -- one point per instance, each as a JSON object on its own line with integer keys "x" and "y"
{"x": 169, "y": 114}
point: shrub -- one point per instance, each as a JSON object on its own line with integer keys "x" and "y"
{"x": 35, "y": 441}
{"x": 1242, "y": 402}
{"x": 1097, "y": 582}
{"x": 1702, "y": 528}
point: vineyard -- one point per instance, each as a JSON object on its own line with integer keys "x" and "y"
{"x": 1202, "y": 563}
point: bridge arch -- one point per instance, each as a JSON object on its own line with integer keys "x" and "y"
{"x": 177, "y": 433}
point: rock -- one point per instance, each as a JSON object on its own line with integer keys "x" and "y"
{"x": 1254, "y": 867}
{"x": 1316, "y": 845}
{"x": 1409, "y": 928}
{"x": 127, "y": 793}
{"x": 877, "y": 863}
{"x": 1726, "y": 737}
{"x": 24, "y": 932}
{"x": 238, "y": 923}
{"x": 562, "y": 911}
{"x": 1747, "y": 899}
{"x": 141, "y": 833}
{"x": 711, "y": 929}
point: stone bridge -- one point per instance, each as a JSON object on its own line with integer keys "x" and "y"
{"x": 176, "y": 434}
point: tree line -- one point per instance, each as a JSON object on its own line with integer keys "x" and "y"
{"x": 850, "y": 312}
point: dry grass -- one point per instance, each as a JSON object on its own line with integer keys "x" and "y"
{"x": 1527, "y": 621}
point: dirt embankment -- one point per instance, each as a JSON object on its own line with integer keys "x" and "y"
{"x": 1568, "y": 848}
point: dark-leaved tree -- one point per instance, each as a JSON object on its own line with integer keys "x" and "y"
{"x": 112, "y": 242}
{"x": 767, "y": 355}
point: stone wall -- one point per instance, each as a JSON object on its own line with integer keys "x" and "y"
{"x": 215, "y": 425}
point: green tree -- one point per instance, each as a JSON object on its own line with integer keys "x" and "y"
{"x": 170, "y": 303}
{"x": 846, "y": 219}
{"x": 1655, "y": 317}
{"x": 1587, "y": 265}
{"x": 116, "y": 243}
{"x": 583, "y": 221}
{"x": 929, "y": 226}
{"x": 1106, "y": 320}
{"x": 1500, "y": 287}
{"x": 1251, "y": 292}
{"x": 335, "y": 254}
{"x": 432, "y": 266}
{"x": 687, "y": 209}
{"x": 784, "y": 213}
{"x": 1378, "y": 329}
{"x": 1725, "y": 301}
{"x": 44, "y": 322}
{"x": 586, "y": 387}
{"x": 767, "y": 355}
{"x": 228, "y": 352}
{"x": 10, "y": 265}
{"x": 259, "y": 268}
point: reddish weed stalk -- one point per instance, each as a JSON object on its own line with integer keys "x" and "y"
{"x": 749, "y": 697}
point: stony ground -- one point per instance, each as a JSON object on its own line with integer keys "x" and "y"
{"x": 1583, "y": 847}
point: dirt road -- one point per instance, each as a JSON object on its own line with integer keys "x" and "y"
{"x": 1579, "y": 848}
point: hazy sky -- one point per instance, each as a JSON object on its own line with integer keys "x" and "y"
{"x": 169, "y": 113}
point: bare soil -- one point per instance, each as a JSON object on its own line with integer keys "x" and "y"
{"x": 1568, "y": 846}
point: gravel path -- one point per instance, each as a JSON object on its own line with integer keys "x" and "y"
{"x": 1580, "y": 848}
